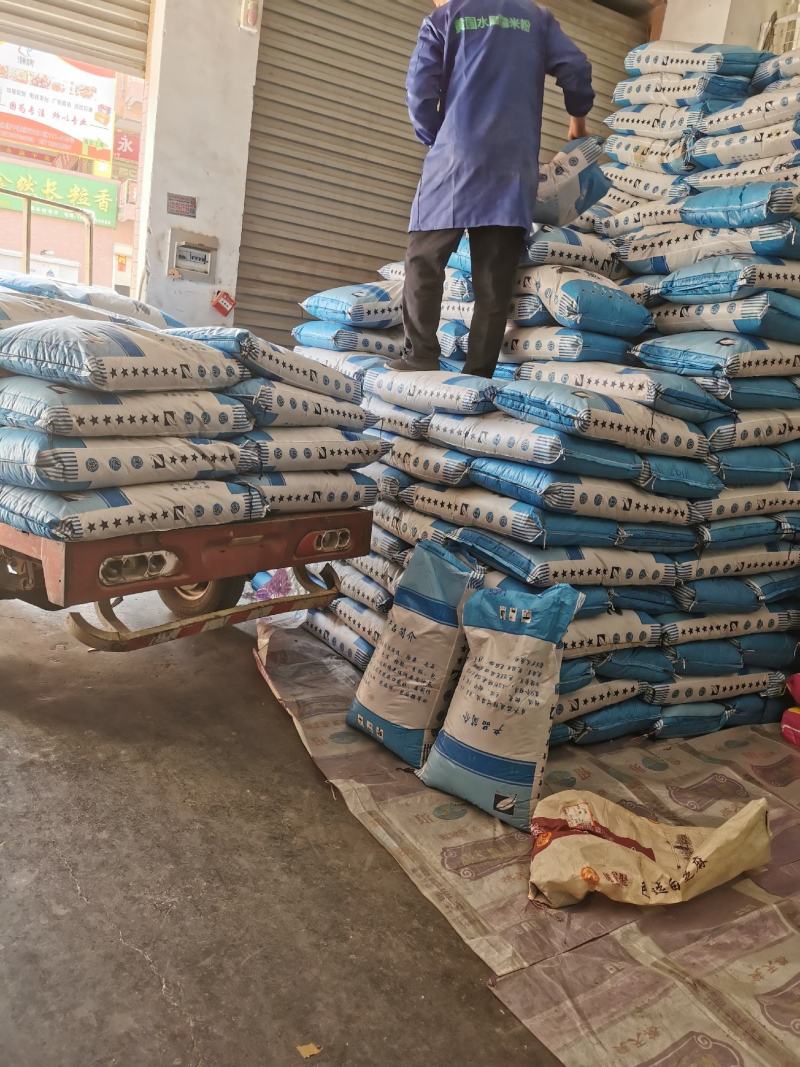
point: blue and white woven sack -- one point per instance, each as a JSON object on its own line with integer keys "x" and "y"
{"x": 718, "y": 354}
{"x": 728, "y": 278}
{"x": 279, "y": 364}
{"x": 575, "y": 674}
{"x": 529, "y": 311}
{"x": 659, "y": 121}
{"x": 742, "y": 533}
{"x": 673, "y": 89}
{"x": 68, "y": 412}
{"x": 111, "y": 357}
{"x": 570, "y": 183}
{"x": 352, "y": 365}
{"x": 315, "y": 448}
{"x": 360, "y": 587}
{"x": 675, "y": 57}
{"x": 723, "y": 563}
{"x": 678, "y": 629}
{"x": 522, "y": 344}
{"x": 711, "y": 596}
{"x": 384, "y": 572}
{"x": 492, "y": 749}
{"x": 767, "y": 109}
{"x": 432, "y": 391}
{"x": 757, "y": 204}
{"x": 461, "y": 259}
{"x": 632, "y": 718}
{"x": 390, "y": 481}
{"x": 410, "y": 525}
{"x": 426, "y": 462}
{"x": 95, "y": 296}
{"x": 17, "y": 308}
{"x": 650, "y": 153}
{"x": 749, "y": 394}
{"x": 338, "y": 636}
{"x": 510, "y": 438}
{"x": 776, "y": 68}
{"x": 651, "y": 665}
{"x": 586, "y": 301}
{"x": 663, "y": 250}
{"x": 669, "y": 394}
{"x": 297, "y": 491}
{"x": 476, "y": 507}
{"x": 276, "y": 404}
{"x": 395, "y": 419}
{"x": 587, "y": 414}
{"x": 453, "y": 338}
{"x": 646, "y": 599}
{"x": 761, "y": 500}
{"x": 768, "y": 650}
{"x": 753, "y": 428}
{"x": 403, "y": 696}
{"x": 650, "y": 213}
{"x": 370, "y": 304}
{"x": 771, "y": 588}
{"x": 593, "y": 698}
{"x": 336, "y": 337}
{"x": 597, "y": 636}
{"x": 640, "y": 288}
{"x": 591, "y": 497}
{"x": 646, "y": 184}
{"x": 363, "y": 620}
{"x": 565, "y": 247}
{"x": 103, "y": 513}
{"x": 594, "y": 600}
{"x": 754, "y": 466}
{"x": 457, "y": 283}
{"x": 36, "y": 460}
{"x": 700, "y": 690}
{"x": 770, "y": 315}
{"x": 575, "y": 566}
{"x": 779, "y": 168}
{"x": 612, "y": 203}
{"x": 690, "y": 720}
{"x": 729, "y": 149}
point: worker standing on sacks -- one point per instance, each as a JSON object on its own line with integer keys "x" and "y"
{"x": 475, "y": 97}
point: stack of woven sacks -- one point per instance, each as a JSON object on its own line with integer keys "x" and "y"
{"x": 109, "y": 426}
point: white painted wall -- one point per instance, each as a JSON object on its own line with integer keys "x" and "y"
{"x": 197, "y": 131}
{"x": 715, "y": 21}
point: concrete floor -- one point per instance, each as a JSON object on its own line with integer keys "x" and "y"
{"x": 178, "y": 887}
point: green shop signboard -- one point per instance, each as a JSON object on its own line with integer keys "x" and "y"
{"x": 72, "y": 190}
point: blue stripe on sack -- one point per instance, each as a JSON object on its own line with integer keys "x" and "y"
{"x": 115, "y": 498}
{"x": 498, "y": 768}
{"x": 410, "y": 745}
{"x": 120, "y": 337}
{"x": 427, "y": 606}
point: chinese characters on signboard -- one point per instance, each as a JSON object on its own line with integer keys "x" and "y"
{"x": 67, "y": 188}
{"x": 49, "y": 102}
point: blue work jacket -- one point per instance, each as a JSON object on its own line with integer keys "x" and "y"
{"x": 475, "y": 96}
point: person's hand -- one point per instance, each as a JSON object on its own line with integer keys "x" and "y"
{"x": 577, "y": 129}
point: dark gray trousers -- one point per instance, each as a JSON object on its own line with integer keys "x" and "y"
{"x": 495, "y": 252}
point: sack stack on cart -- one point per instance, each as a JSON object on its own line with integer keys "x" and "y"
{"x": 645, "y": 452}
{"x": 109, "y": 426}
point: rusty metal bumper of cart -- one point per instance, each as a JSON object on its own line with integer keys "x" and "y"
{"x": 55, "y": 574}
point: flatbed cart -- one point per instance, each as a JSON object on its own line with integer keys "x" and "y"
{"x": 199, "y": 573}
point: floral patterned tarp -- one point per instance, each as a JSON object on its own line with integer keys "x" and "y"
{"x": 711, "y": 983}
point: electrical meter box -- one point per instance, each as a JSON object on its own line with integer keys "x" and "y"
{"x": 193, "y": 256}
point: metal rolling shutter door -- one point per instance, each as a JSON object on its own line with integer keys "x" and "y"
{"x": 106, "y": 33}
{"x": 333, "y": 162}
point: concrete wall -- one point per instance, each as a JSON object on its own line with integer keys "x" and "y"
{"x": 197, "y": 131}
{"x": 715, "y": 21}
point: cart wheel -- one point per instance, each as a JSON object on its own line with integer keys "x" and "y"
{"x": 187, "y": 601}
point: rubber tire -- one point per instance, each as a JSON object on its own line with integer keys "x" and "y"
{"x": 221, "y": 594}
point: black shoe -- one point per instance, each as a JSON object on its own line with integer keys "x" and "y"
{"x": 404, "y": 366}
